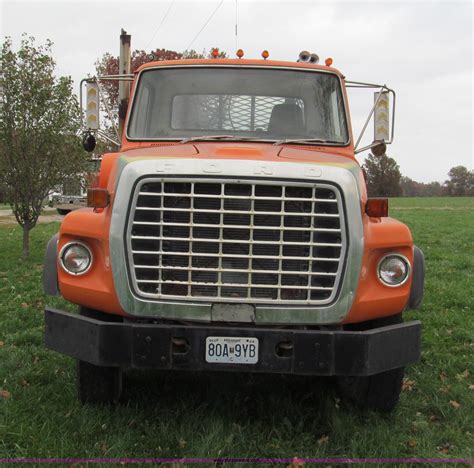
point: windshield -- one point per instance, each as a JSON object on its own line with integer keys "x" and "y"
{"x": 258, "y": 103}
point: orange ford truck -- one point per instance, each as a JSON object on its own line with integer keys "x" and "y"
{"x": 232, "y": 232}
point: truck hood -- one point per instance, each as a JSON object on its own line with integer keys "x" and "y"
{"x": 243, "y": 151}
{"x": 312, "y": 160}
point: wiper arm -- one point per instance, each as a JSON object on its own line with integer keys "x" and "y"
{"x": 304, "y": 141}
{"x": 207, "y": 137}
{"x": 218, "y": 137}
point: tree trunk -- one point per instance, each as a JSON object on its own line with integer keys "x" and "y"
{"x": 26, "y": 241}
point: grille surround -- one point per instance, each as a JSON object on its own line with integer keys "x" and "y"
{"x": 321, "y": 288}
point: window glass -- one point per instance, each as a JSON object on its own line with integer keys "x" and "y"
{"x": 260, "y": 103}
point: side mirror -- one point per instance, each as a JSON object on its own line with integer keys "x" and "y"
{"x": 88, "y": 142}
{"x": 92, "y": 105}
{"x": 383, "y": 112}
{"x": 381, "y": 123}
{"x": 382, "y": 116}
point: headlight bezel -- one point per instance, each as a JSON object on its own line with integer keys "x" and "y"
{"x": 63, "y": 251}
{"x": 400, "y": 257}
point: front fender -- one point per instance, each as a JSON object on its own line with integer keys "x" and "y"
{"x": 374, "y": 299}
{"x": 50, "y": 267}
{"x": 418, "y": 281}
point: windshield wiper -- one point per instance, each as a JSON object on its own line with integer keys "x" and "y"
{"x": 242, "y": 138}
{"x": 305, "y": 141}
{"x": 218, "y": 137}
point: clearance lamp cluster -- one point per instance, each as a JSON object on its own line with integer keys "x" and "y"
{"x": 303, "y": 57}
{"x": 240, "y": 54}
{"x": 308, "y": 57}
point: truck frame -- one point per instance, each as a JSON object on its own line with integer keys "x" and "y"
{"x": 232, "y": 231}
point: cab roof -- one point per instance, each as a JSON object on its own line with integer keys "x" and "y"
{"x": 238, "y": 62}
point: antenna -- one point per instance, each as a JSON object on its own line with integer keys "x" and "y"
{"x": 236, "y": 24}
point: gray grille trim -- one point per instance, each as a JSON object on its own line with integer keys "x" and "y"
{"x": 347, "y": 178}
{"x": 244, "y": 289}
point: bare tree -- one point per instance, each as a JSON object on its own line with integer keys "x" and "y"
{"x": 39, "y": 125}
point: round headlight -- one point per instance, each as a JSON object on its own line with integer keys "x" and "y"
{"x": 394, "y": 270}
{"x": 76, "y": 258}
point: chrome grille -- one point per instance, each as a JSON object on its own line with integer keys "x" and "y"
{"x": 236, "y": 241}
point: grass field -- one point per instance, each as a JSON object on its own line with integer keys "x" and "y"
{"x": 235, "y": 415}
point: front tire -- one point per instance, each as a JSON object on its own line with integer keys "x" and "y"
{"x": 379, "y": 392}
{"x": 97, "y": 384}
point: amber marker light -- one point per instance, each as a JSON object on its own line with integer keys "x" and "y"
{"x": 377, "y": 207}
{"x": 215, "y": 52}
{"x": 97, "y": 198}
{"x": 240, "y": 53}
{"x": 328, "y": 62}
{"x": 265, "y": 54}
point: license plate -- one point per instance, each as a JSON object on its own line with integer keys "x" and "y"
{"x": 231, "y": 350}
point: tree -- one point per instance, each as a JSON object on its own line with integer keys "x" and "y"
{"x": 411, "y": 188}
{"x": 383, "y": 176}
{"x": 432, "y": 189}
{"x": 460, "y": 182}
{"x": 109, "y": 65}
{"x": 39, "y": 124}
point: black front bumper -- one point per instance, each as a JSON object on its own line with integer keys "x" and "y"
{"x": 182, "y": 347}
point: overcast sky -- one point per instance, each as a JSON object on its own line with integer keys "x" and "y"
{"x": 423, "y": 50}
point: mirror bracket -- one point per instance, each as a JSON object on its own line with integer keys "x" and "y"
{"x": 381, "y": 90}
{"x": 97, "y": 81}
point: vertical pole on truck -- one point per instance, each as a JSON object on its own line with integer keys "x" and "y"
{"x": 124, "y": 69}
{"x": 236, "y": 32}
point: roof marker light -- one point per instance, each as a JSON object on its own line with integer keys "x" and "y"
{"x": 328, "y": 62}
{"x": 265, "y": 54}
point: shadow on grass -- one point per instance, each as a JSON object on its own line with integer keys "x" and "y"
{"x": 237, "y": 398}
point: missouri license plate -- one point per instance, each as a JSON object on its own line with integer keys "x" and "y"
{"x": 231, "y": 350}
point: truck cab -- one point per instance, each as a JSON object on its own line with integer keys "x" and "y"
{"x": 232, "y": 231}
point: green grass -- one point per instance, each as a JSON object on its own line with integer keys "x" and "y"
{"x": 188, "y": 415}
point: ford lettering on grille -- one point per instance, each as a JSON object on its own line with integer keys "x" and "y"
{"x": 236, "y": 241}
